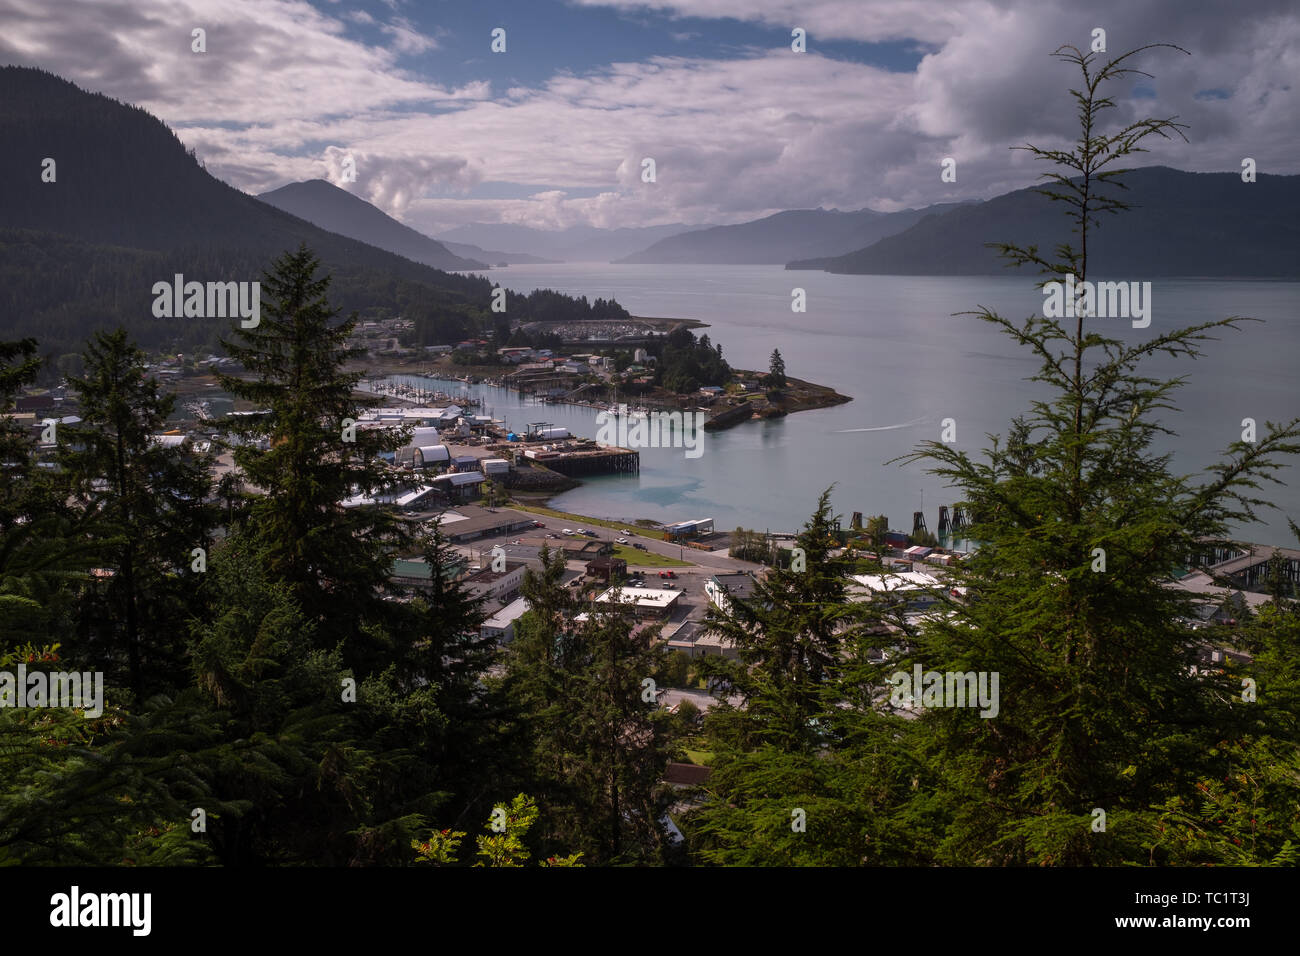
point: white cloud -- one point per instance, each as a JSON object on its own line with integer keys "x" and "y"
{"x": 284, "y": 92}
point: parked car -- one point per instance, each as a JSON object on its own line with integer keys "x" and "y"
{"x": 568, "y": 531}
{"x": 639, "y": 547}
{"x": 538, "y": 524}
{"x": 624, "y": 531}
{"x": 620, "y": 540}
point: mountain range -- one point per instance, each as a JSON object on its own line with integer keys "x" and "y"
{"x": 99, "y": 200}
{"x": 1212, "y": 225}
{"x": 776, "y": 239}
{"x": 574, "y": 244}
{"x": 337, "y": 210}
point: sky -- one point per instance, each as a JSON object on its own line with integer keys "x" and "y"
{"x": 553, "y": 132}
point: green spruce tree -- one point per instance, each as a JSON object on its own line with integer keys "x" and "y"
{"x": 1082, "y": 525}
{"x": 335, "y": 560}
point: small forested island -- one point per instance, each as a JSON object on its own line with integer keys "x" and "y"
{"x": 655, "y": 363}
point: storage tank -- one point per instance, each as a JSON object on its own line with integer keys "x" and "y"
{"x": 553, "y": 433}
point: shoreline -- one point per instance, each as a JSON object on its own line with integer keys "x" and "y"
{"x": 799, "y": 395}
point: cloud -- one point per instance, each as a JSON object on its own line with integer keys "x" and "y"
{"x": 406, "y": 38}
{"x": 286, "y": 90}
{"x": 392, "y": 183}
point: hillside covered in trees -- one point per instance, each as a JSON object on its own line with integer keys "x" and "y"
{"x": 125, "y": 205}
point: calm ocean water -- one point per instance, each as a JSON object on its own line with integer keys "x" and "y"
{"x": 894, "y": 345}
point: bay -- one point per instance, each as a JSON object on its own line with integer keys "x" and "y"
{"x": 895, "y": 346}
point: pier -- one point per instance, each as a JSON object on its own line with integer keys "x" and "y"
{"x": 576, "y": 463}
{"x": 574, "y": 458}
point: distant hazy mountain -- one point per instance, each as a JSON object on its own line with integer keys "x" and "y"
{"x": 781, "y": 237}
{"x": 337, "y": 210}
{"x": 575, "y": 244}
{"x": 1182, "y": 224}
{"x": 468, "y": 250}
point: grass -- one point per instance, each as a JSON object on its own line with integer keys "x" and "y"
{"x": 646, "y": 559}
{"x": 582, "y": 520}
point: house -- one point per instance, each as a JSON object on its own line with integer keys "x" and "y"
{"x": 686, "y": 775}
{"x": 415, "y": 572}
{"x": 607, "y": 570}
{"x": 492, "y": 585}
{"x": 404, "y": 499}
{"x": 500, "y": 627}
{"x": 33, "y": 403}
{"x": 464, "y": 463}
{"x": 918, "y": 590}
{"x": 719, "y": 587}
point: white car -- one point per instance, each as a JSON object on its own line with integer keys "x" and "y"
{"x": 568, "y": 531}
{"x": 624, "y": 531}
{"x": 620, "y": 540}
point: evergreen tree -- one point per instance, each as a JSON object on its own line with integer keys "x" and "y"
{"x": 1081, "y": 528}
{"x": 19, "y": 366}
{"x": 597, "y": 749}
{"x": 776, "y": 370}
{"x": 146, "y": 503}
{"x": 805, "y": 771}
{"x": 335, "y": 560}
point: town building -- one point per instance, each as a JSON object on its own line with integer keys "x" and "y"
{"x": 642, "y": 602}
{"x": 721, "y": 587}
{"x": 606, "y": 570}
{"x": 471, "y": 522}
{"x": 502, "y": 586}
{"x": 500, "y": 627}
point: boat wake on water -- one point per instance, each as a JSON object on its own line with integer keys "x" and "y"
{"x": 883, "y": 428}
